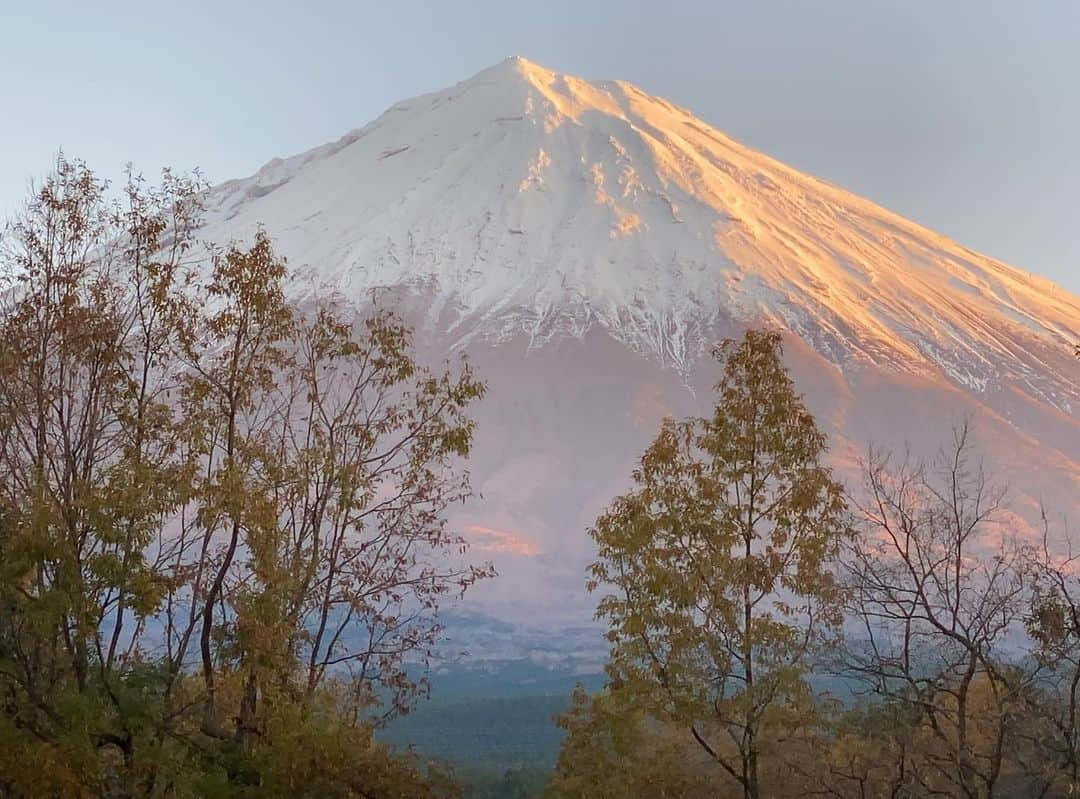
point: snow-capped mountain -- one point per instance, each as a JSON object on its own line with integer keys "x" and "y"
{"x": 587, "y": 244}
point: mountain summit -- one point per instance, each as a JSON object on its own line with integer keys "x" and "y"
{"x": 588, "y": 243}
{"x": 542, "y": 202}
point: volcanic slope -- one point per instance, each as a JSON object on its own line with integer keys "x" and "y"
{"x": 587, "y": 244}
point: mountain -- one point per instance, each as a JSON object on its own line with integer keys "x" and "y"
{"x": 587, "y": 244}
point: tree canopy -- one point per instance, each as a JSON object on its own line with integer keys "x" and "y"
{"x": 223, "y": 526}
{"x": 717, "y": 564}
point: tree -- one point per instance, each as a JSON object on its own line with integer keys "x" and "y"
{"x": 936, "y": 586}
{"x": 88, "y": 466}
{"x": 1053, "y": 623}
{"x": 194, "y": 472}
{"x": 613, "y": 750}
{"x": 719, "y": 564}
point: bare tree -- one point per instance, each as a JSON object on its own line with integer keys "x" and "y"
{"x": 936, "y": 586}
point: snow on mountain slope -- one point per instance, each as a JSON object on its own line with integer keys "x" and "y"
{"x": 541, "y": 203}
{"x": 588, "y": 243}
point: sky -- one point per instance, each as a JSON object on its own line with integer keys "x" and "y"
{"x": 963, "y": 116}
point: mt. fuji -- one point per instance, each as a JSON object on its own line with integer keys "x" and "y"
{"x": 587, "y": 244}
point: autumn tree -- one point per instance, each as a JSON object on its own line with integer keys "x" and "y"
{"x": 862, "y": 751}
{"x": 88, "y": 465}
{"x": 1052, "y": 620}
{"x": 223, "y": 527}
{"x": 613, "y": 749}
{"x": 328, "y": 454}
{"x": 717, "y": 566}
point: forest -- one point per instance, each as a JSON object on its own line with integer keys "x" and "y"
{"x": 224, "y": 549}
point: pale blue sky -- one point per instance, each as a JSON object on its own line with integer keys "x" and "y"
{"x": 962, "y": 115}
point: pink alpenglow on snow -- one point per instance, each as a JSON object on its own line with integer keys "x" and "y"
{"x": 587, "y": 244}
